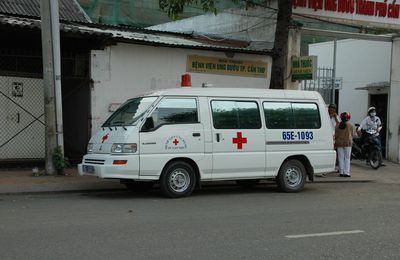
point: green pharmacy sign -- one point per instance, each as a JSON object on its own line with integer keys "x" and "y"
{"x": 304, "y": 67}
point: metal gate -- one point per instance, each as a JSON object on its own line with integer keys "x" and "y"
{"x": 324, "y": 83}
{"x": 22, "y": 126}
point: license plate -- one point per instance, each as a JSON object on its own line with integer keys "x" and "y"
{"x": 88, "y": 169}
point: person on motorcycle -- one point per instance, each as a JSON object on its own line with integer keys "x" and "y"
{"x": 343, "y": 143}
{"x": 371, "y": 122}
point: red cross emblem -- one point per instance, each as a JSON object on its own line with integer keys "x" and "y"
{"x": 176, "y": 142}
{"x": 239, "y": 140}
{"x": 105, "y": 137}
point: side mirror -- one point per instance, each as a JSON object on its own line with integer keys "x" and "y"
{"x": 148, "y": 124}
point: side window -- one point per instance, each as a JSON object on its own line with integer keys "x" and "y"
{"x": 287, "y": 115}
{"x": 175, "y": 111}
{"x": 278, "y": 115}
{"x": 229, "y": 114}
{"x": 306, "y": 115}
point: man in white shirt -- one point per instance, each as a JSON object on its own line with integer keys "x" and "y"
{"x": 372, "y": 121}
{"x": 332, "y": 110}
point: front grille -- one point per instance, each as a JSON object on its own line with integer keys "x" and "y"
{"x": 94, "y": 161}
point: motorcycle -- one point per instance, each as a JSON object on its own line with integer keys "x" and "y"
{"x": 367, "y": 148}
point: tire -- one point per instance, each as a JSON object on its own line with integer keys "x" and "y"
{"x": 292, "y": 176}
{"x": 178, "y": 179}
{"x": 138, "y": 186}
{"x": 248, "y": 184}
{"x": 375, "y": 159}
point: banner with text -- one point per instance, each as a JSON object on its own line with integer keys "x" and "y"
{"x": 360, "y": 12}
{"x": 226, "y": 66}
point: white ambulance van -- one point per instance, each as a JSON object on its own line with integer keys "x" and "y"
{"x": 182, "y": 137}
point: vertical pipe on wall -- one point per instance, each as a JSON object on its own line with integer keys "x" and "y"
{"x": 334, "y": 71}
{"x": 55, "y": 33}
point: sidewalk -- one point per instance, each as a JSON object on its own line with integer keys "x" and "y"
{"x": 360, "y": 172}
{"x": 22, "y": 180}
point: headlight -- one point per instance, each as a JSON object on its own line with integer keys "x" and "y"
{"x": 124, "y": 148}
{"x": 89, "y": 148}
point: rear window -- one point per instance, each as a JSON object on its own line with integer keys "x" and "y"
{"x": 291, "y": 115}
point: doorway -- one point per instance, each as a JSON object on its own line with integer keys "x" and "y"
{"x": 380, "y": 102}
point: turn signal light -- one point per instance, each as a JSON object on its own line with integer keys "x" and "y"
{"x": 120, "y": 161}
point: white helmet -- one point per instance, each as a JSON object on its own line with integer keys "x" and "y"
{"x": 371, "y": 109}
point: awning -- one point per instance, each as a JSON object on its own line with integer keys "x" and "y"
{"x": 376, "y": 86}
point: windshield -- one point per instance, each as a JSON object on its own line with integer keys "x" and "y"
{"x": 130, "y": 112}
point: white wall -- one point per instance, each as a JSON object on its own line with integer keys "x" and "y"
{"x": 394, "y": 100}
{"x": 253, "y": 24}
{"x": 124, "y": 70}
{"x": 359, "y": 63}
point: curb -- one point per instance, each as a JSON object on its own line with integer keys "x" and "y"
{"x": 344, "y": 181}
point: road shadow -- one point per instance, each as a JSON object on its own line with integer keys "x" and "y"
{"x": 207, "y": 189}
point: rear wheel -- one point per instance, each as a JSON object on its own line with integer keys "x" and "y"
{"x": 375, "y": 159}
{"x": 178, "y": 179}
{"x": 291, "y": 176}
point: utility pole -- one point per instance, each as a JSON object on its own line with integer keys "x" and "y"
{"x": 333, "y": 98}
{"x": 51, "y": 80}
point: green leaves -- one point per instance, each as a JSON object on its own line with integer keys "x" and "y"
{"x": 59, "y": 161}
{"x": 176, "y": 7}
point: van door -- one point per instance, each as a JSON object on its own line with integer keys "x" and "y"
{"x": 176, "y": 131}
{"x": 238, "y": 139}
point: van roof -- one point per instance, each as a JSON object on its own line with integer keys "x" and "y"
{"x": 238, "y": 92}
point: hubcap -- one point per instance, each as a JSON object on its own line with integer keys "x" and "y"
{"x": 179, "y": 180}
{"x": 292, "y": 177}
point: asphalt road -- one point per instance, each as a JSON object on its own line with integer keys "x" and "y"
{"x": 325, "y": 221}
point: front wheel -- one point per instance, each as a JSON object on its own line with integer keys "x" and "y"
{"x": 375, "y": 159}
{"x": 178, "y": 180}
{"x": 291, "y": 176}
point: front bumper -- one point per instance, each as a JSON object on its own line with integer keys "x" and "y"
{"x": 101, "y": 165}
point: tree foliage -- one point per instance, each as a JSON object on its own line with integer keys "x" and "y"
{"x": 176, "y": 7}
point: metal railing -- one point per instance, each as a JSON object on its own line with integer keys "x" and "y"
{"x": 324, "y": 83}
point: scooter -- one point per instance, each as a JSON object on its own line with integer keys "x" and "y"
{"x": 367, "y": 148}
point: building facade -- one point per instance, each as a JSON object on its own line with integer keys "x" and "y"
{"x": 126, "y": 70}
{"x": 370, "y": 78}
